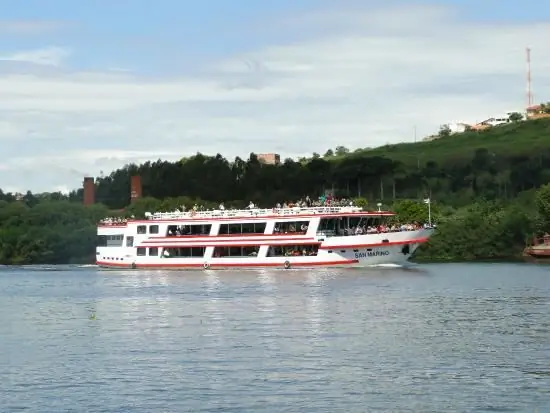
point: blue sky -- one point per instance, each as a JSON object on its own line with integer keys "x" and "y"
{"x": 89, "y": 86}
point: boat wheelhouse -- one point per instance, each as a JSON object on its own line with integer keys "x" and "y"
{"x": 279, "y": 237}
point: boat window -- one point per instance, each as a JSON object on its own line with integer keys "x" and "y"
{"x": 188, "y": 252}
{"x": 140, "y": 251}
{"x": 109, "y": 240}
{"x": 351, "y": 225}
{"x": 153, "y": 229}
{"x": 129, "y": 241}
{"x": 142, "y": 229}
{"x": 293, "y": 250}
{"x": 243, "y": 228}
{"x": 153, "y": 252}
{"x": 291, "y": 227}
{"x": 329, "y": 227}
{"x": 248, "y": 251}
{"x": 188, "y": 230}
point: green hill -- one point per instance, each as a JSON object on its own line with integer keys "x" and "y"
{"x": 521, "y": 138}
{"x": 530, "y": 138}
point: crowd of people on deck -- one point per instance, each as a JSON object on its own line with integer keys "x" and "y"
{"x": 305, "y": 202}
{"x": 114, "y": 221}
{"x": 380, "y": 229}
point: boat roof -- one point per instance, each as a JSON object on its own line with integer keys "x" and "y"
{"x": 268, "y": 213}
{"x": 245, "y": 215}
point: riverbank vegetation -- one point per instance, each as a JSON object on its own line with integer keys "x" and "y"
{"x": 484, "y": 188}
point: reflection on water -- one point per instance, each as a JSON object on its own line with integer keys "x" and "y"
{"x": 440, "y": 338}
{"x": 268, "y": 295}
{"x": 315, "y": 302}
{"x": 212, "y": 314}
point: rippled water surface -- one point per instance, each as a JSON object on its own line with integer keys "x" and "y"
{"x": 439, "y": 338}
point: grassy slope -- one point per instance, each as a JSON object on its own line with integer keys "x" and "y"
{"x": 524, "y": 138}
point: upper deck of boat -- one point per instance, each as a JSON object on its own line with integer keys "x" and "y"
{"x": 252, "y": 213}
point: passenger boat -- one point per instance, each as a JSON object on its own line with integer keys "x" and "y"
{"x": 343, "y": 236}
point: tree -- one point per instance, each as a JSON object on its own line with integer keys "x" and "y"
{"x": 542, "y": 201}
{"x": 341, "y": 151}
{"x": 515, "y": 117}
{"x": 444, "y": 131}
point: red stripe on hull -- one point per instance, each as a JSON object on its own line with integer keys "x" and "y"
{"x": 231, "y": 265}
{"x": 210, "y": 240}
{"x": 379, "y": 244}
{"x": 235, "y": 244}
{"x": 298, "y": 234}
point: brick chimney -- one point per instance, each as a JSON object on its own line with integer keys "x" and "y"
{"x": 89, "y": 191}
{"x": 135, "y": 188}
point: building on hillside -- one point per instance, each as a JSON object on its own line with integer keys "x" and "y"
{"x": 269, "y": 158}
{"x": 538, "y": 111}
{"x": 458, "y": 127}
{"x": 480, "y": 126}
{"x": 495, "y": 121}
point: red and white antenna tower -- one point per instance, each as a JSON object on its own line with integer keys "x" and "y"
{"x": 529, "y": 91}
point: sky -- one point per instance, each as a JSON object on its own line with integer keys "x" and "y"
{"x": 87, "y": 87}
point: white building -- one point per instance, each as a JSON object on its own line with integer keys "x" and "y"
{"x": 499, "y": 120}
{"x": 458, "y": 127}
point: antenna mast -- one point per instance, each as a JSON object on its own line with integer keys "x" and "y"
{"x": 529, "y": 91}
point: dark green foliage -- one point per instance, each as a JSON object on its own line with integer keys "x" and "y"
{"x": 49, "y": 232}
{"x": 484, "y": 230}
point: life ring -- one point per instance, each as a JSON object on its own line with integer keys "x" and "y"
{"x": 133, "y": 266}
{"x": 287, "y": 265}
{"x": 206, "y": 266}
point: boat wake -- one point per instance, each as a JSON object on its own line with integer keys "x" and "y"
{"x": 386, "y": 266}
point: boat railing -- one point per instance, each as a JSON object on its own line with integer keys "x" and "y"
{"x": 252, "y": 212}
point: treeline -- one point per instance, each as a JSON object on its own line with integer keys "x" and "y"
{"x": 58, "y": 232}
{"x": 483, "y": 186}
{"x": 482, "y": 173}
{"x": 48, "y": 232}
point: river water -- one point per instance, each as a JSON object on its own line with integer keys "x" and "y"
{"x": 437, "y": 338}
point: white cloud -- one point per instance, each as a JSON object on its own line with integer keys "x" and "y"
{"x": 362, "y": 79}
{"x": 51, "y": 56}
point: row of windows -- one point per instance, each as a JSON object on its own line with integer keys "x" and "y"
{"x": 153, "y": 229}
{"x": 201, "y": 229}
{"x": 336, "y": 224}
{"x": 248, "y": 228}
{"x": 286, "y": 227}
{"x": 226, "y": 252}
{"x": 259, "y": 227}
{"x": 226, "y": 229}
{"x": 153, "y": 252}
{"x": 109, "y": 240}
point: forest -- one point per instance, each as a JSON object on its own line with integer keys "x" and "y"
{"x": 488, "y": 191}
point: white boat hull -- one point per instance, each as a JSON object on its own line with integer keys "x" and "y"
{"x": 350, "y": 251}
